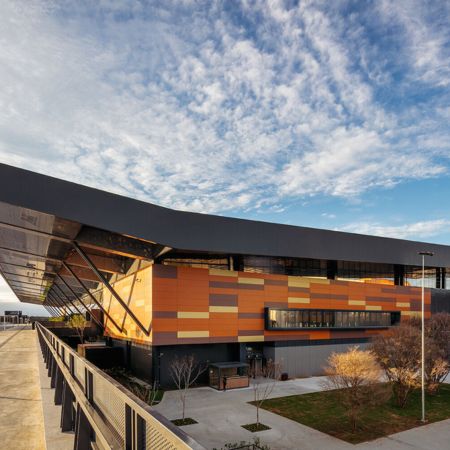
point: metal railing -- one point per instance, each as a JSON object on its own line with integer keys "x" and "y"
{"x": 102, "y": 412}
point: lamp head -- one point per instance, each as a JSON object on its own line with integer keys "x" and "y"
{"x": 426, "y": 253}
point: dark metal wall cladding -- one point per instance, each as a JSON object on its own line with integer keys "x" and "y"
{"x": 440, "y": 301}
{"x": 201, "y": 232}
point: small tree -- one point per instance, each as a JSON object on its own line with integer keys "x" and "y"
{"x": 148, "y": 394}
{"x": 399, "y": 354}
{"x": 78, "y": 323}
{"x": 356, "y": 374}
{"x": 437, "y": 351}
{"x": 185, "y": 372}
{"x": 263, "y": 383}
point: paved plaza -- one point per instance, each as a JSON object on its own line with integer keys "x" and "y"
{"x": 221, "y": 414}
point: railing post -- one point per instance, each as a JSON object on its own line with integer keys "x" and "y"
{"x": 53, "y": 374}
{"x": 72, "y": 365}
{"x": 134, "y": 430}
{"x": 58, "y": 386}
{"x": 89, "y": 385}
{"x": 82, "y": 431}
{"x": 67, "y": 421}
{"x": 50, "y": 364}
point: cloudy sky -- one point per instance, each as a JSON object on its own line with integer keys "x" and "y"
{"x": 325, "y": 114}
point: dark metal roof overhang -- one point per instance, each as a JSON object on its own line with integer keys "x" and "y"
{"x": 56, "y": 262}
{"x": 68, "y": 211}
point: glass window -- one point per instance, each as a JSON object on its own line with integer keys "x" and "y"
{"x": 311, "y": 318}
{"x": 413, "y": 276}
{"x": 365, "y": 272}
{"x": 305, "y": 315}
{"x": 328, "y": 319}
{"x": 285, "y": 266}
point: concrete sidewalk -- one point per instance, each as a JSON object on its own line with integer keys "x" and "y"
{"x": 54, "y": 437}
{"x": 221, "y": 414}
{"x": 21, "y": 417}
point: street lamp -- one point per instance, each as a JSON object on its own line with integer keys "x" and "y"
{"x": 423, "y": 254}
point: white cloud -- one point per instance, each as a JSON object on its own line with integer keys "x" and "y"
{"x": 199, "y": 110}
{"x": 416, "y": 230}
{"x": 427, "y": 36}
{"x": 6, "y": 294}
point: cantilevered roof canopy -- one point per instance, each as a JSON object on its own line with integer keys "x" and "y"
{"x": 48, "y": 227}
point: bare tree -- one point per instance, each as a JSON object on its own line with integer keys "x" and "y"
{"x": 78, "y": 323}
{"x": 437, "y": 351}
{"x": 263, "y": 383}
{"x": 146, "y": 393}
{"x": 399, "y": 354}
{"x": 357, "y": 376}
{"x": 185, "y": 372}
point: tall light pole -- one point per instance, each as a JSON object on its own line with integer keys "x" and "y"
{"x": 423, "y": 254}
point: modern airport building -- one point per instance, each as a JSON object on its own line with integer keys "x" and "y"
{"x": 162, "y": 283}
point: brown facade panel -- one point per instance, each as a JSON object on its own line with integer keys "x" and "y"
{"x": 280, "y": 304}
{"x": 190, "y": 305}
{"x": 270, "y": 282}
{"x": 298, "y": 289}
{"x": 328, "y": 296}
{"x": 259, "y": 315}
{"x": 164, "y": 314}
{"x": 160, "y": 271}
{"x": 223, "y": 299}
{"x": 251, "y": 332}
{"x": 223, "y": 284}
{"x": 252, "y": 287}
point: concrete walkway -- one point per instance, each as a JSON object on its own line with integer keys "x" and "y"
{"x": 55, "y": 439}
{"x": 21, "y": 417}
{"x": 221, "y": 414}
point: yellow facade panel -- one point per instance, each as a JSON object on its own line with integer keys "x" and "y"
{"x": 251, "y": 338}
{"x": 402, "y": 304}
{"x": 298, "y": 300}
{"x": 223, "y": 273}
{"x": 250, "y": 280}
{"x": 192, "y": 334}
{"x": 193, "y": 315}
{"x": 357, "y": 302}
{"x": 223, "y": 309}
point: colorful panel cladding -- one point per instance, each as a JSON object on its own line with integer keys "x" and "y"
{"x": 209, "y": 306}
{"x": 135, "y": 290}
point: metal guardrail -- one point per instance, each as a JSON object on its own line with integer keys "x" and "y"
{"x": 102, "y": 412}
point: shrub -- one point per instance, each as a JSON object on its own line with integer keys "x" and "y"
{"x": 356, "y": 373}
{"x": 399, "y": 354}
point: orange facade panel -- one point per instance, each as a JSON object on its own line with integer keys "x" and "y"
{"x": 184, "y": 304}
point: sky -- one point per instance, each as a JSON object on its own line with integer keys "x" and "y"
{"x": 325, "y": 114}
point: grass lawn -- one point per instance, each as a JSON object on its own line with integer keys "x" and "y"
{"x": 323, "y": 411}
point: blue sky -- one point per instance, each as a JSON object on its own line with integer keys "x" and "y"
{"x": 325, "y": 114}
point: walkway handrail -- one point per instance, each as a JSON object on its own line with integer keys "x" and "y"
{"x": 108, "y": 416}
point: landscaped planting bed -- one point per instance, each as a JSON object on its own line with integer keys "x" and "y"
{"x": 324, "y": 412}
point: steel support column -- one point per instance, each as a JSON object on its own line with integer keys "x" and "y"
{"x": 55, "y": 297}
{"x": 67, "y": 298}
{"x": 105, "y": 282}
{"x": 81, "y": 301}
{"x": 88, "y": 292}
